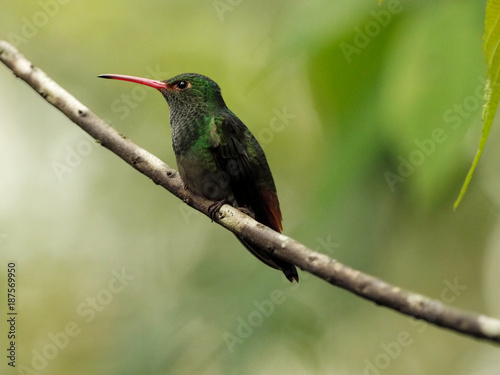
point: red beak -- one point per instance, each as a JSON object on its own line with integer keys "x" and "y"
{"x": 143, "y": 81}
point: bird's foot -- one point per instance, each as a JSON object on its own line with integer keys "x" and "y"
{"x": 215, "y": 208}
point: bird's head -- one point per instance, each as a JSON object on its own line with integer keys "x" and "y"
{"x": 184, "y": 92}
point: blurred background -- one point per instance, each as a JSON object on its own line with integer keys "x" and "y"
{"x": 370, "y": 116}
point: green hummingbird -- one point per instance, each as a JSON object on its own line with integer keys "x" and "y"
{"x": 217, "y": 155}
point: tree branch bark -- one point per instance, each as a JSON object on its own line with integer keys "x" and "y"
{"x": 286, "y": 248}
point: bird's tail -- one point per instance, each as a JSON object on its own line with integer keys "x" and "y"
{"x": 288, "y": 269}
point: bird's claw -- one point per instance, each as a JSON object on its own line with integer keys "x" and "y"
{"x": 215, "y": 208}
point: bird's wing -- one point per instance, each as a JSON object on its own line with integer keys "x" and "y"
{"x": 241, "y": 159}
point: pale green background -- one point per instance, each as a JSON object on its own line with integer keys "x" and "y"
{"x": 191, "y": 281}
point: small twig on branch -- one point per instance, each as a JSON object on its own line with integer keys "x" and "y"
{"x": 286, "y": 248}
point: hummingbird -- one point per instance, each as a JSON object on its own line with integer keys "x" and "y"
{"x": 217, "y": 156}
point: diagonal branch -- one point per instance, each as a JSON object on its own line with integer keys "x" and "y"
{"x": 286, "y": 248}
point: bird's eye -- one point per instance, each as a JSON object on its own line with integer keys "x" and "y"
{"x": 182, "y": 85}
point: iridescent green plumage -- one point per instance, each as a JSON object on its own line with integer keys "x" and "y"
{"x": 217, "y": 155}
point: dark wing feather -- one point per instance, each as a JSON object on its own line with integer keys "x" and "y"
{"x": 241, "y": 159}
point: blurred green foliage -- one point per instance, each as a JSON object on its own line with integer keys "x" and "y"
{"x": 491, "y": 38}
{"x": 366, "y": 87}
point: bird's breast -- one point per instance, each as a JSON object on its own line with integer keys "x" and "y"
{"x": 200, "y": 174}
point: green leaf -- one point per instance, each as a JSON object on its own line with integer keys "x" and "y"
{"x": 491, "y": 41}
